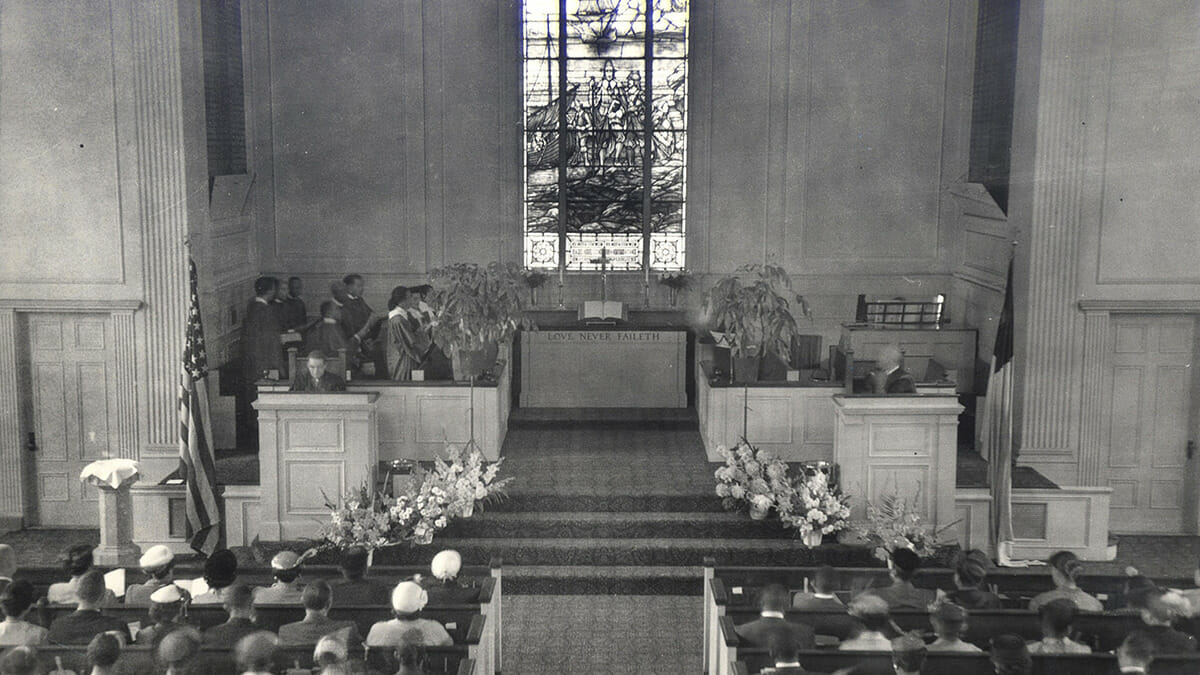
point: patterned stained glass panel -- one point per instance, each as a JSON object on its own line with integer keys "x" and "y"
{"x": 603, "y": 145}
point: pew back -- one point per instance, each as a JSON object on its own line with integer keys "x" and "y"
{"x": 869, "y": 663}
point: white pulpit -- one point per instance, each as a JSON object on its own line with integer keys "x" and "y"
{"x": 312, "y": 447}
{"x": 903, "y": 443}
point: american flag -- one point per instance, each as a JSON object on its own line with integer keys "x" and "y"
{"x": 195, "y": 433}
{"x": 997, "y": 429}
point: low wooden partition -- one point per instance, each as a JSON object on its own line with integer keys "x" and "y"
{"x": 417, "y": 419}
{"x": 140, "y": 659}
{"x": 944, "y": 663}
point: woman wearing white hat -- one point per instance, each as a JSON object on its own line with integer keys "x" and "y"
{"x": 166, "y": 611}
{"x": 444, "y": 588}
{"x": 159, "y": 564}
{"x": 408, "y": 599}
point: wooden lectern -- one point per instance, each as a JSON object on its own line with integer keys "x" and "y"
{"x": 903, "y": 443}
{"x": 312, "y": 447}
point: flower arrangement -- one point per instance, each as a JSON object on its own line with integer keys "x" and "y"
{"x": 752, "y": 478}
{"x": 435, "y": 497}
{"x": 534, "y": 278}
{"x": 895, "y": 522}
{"x": 816, "y": 507}
{"x": 676, "y": 281}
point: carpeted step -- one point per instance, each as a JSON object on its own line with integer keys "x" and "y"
{"x": 596, "y": 502}
{"x": 592, "y": 580}
{"x": 620, "y": 524}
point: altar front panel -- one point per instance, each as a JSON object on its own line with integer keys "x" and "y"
{"x": 583, "y": 368}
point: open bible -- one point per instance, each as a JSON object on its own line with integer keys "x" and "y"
{"x": 602, "y": 310}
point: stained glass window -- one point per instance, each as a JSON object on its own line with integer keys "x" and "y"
{"x": 605, "y": 133}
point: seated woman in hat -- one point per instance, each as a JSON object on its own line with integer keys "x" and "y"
{"x": 969, "y": 575}
{"x": 159, "y": 564}
{"x": 220, "y": 571}
{"x": 287, "y": 588}
{"x": 1065, "y": 568}
{"x": 166, "y": 611}
{"x": 444, "y": 588}
{"x": 77, "y": 560}
{"x": 408, "y": 599}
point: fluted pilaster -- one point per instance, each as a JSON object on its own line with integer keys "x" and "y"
{"x": 1092, "y": 451}
{"x": 163, "y": 200}
{"x": 125, "y": 405}
{"x": 1052, "y": 329}
{"x": 11, "y": 443}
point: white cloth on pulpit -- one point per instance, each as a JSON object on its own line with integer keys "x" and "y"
{"x": 112, "y": 473}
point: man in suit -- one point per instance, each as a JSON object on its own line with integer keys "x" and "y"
{"x": 785, "y": 653}
{"x": 824, "y": 583}
{"x": 774, "y": 601}
{"x": 891, "y": 377}
{"x": 314, "y": 378}
{"x": 1135, "y": 654}
{"x": 80, "y": 626}
{"x": 159, "y": 564}
{"x": 239, "y": 603}
{"x": 1162, "y": 608}
{"x": 902, "y": 565}
{"x": 354, "y": 589}
{"x": 318, "y": 599}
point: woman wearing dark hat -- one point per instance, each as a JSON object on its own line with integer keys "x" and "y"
{"x": 77, "y": 561}
{"x": 969, "y": 574}
{"x": 220, "y": 571}
{"x": 1065, "y": 568}
{"x": 1010, "y": 656}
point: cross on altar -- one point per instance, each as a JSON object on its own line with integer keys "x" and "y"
{"x": 603, "y": 261}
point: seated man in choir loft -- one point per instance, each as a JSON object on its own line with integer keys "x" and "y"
{"x": 314, "y": 378}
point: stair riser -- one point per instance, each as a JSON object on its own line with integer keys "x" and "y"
{"x": 727, "y": 553}
{"x": 597, "y": 585}
{"x": 607, "y": 504}
{"x": 566, "y": 529}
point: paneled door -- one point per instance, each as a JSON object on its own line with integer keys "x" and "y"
{"x": 1151, "y": 381}
{"x": 71, "y": 386}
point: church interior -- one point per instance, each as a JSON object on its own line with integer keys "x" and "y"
{"x": 720, "y": 336}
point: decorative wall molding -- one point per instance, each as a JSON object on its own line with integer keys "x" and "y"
{"x": 1141, "y": 306}
{"x": 12, "y": 496}
{"x": 80, "y": 305}
{"x": 126, "y": 410}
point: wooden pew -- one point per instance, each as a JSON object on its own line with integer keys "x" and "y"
{"x": 967, "y": 664}
{"x": 1103, "y": 632}
{"x": 488, "y": 578}
{"x": 139, "y": 659}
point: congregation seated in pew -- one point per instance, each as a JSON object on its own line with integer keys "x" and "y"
{"x": 354, "y": 588}
{"x": 166, "y": 611}
{"x": 872, "y": 611}
{"x": 773, "y": 603}
{"x": 822, "y": 596}
{"x": 949, "y": 621}
{"x": 970, "y": 571}
{"x": 316, "y": 624}
{"x": 1065, "y": 569}
{"x": 220, "y": 572}
{"x": 239, "y": 604}
{"x": 77, "y": 561}
{"x": 443, "y": 586}
{"x": 1057, "y": 617}
{"x": 103, "y": 652}
{"x": 902, "y": 594}
{"x": 408, "y": 599}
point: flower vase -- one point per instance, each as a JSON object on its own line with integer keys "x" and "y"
{"x": 674, "y": 292}
{"x": 533, "y": 296}
{"x": 758, "y": 514}
{"x": 812, "y": 538}
{"x": 468, "y": 509}
{"x": 370, "y": 557}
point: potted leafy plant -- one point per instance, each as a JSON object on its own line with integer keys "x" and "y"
{"x": 754, "y": 306}
{"x": 476, "y": 309}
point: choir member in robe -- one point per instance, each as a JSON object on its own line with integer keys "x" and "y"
{"x": 327, "y": 335}
{"x": 437, "y": 365}
{"x": 407, "y": 342}
{"x": 262, "y": 350}
{"x": 293, "y": 315}
{"x": 361, "y": 324}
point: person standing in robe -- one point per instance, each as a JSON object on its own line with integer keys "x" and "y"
{"x": 436, "y": 363}
{"x": 327, "y": 336}
{"x": 293, "y": 315}
{"x": 408, "y": 344}
{"x": 262, "y": 351}
{"x": 361, "y": 324}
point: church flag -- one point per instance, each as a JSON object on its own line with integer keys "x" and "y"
{"x": 997, "y": 425}
{"x": 195, "y": 433}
